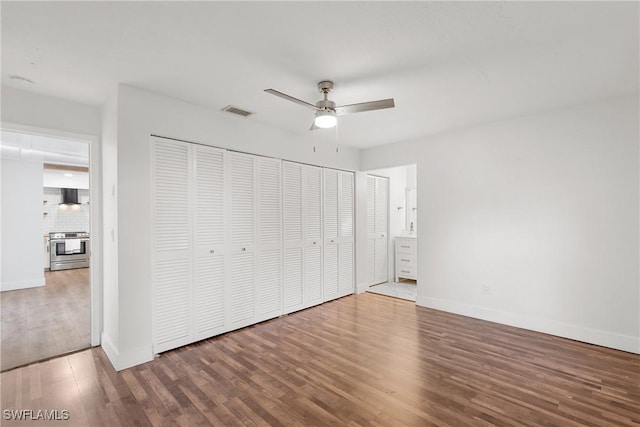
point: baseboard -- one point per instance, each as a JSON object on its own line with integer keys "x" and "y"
{"x": 592, "y": 336}
{"x": 14, "y": 285}
{"x": 362, "y": 288}
{"x": 109, "y": 349}
{"x": 135, "y": 356}
{"x": 127, "y": 359}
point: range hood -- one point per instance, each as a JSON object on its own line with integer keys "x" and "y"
{"x": 69, "y": 196}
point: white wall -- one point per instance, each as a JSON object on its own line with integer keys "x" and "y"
{"x": 28, "y": 108}
{"x": 22, "y": 237}
{"x": 111, "y": 331}
{"x": 533, "y": 221}
{"x": 140, "y": 114}
{"x": 65, "y": 218}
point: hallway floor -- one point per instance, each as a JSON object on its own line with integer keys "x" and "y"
{"x": 407, "y": 289}
{"x": 43, "y": 322}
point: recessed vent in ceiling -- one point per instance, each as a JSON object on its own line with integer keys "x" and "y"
{"x": 235, "y": 110}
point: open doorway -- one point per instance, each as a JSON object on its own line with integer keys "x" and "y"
{"x": 45, "y": 289}
{"x": 392, "y": 225}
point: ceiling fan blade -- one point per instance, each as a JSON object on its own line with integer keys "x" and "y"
{"x": 291, "y": 98}
{"x": 365, "y": 106}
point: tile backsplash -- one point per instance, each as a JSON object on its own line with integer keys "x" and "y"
{"x": 67, "y": 218}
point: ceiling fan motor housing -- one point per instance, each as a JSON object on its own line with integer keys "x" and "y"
{"x": 326, "y": 105}
{"x": 325, "y": 86}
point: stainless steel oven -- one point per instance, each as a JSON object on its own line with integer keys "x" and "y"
{"x": 69, "y": 250}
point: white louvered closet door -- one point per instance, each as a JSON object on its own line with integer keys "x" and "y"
{"x": 345, "y": 249}
{"x": 312, "y": 228}
{"x": 292, "y": 203}
{"x": 242, "y": 296}
{"x": 172, "y": 245}
{"x": 331, "y": 226}
{"x": 381, "y": 233}
{"x": 209, "y": 236}
{"x": 377, "y": 234}
{"x": 269, "y": 191}
{"x": 371, "y": 230}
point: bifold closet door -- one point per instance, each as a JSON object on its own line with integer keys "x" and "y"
{"x": 302, "y": 214}
{"x": 242, "y": 194}
{"x": 269, "y": 284}
{"x": 331, "y": 228}
{"x": 382, "y": 238}
{"x": 371, "y": 230}
{"x": 338, "y": 234}
{"x": 312, "y": 228}
{"x": 377, "y": 235}
{"x": 172, "y": 244}
{"x": 293, "y": 252}
{"x": 209, "y": 236}
{"x": 345, "y": 249}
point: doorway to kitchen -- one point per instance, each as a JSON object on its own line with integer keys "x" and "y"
{"x": 46, "y": 280}
{"x": 392, "y": 225}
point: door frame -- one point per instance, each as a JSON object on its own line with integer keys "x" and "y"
{"x": 95, "y": 225}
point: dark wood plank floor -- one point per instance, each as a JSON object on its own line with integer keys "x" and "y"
{"x": 359, "y": 361}
{"x": 39, "y": 323}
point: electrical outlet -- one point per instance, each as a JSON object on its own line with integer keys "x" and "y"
{"x": 486, "y": 290}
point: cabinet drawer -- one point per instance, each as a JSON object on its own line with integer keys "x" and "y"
{"x": 407, "y": 272}
{"x": 406, "y": 260}
{"x": 407, "y": 246}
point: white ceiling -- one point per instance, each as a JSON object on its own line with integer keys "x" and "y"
{"x": 447, "y": 64}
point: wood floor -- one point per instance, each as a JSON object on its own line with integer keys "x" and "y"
{"x": 357, "y": 361}
{"x": 39, "y": 323}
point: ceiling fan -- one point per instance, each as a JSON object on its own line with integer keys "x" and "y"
{"x": 326, "y": 110}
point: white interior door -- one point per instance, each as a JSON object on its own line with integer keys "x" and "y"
{"x": 345, "y": 249}
{"x": 292, "y": 209}
{"x": 312, "y": 226}
{"x": 371, "y": 230}
{"x": 209, "y": 235}
{"x": 331, "y": 226}
{"x": 243, "y": 249}
{"x": 377, "y": 226}
{"x": 172, "y": 245}
{"x": 381, "y": 229}
{"x": 269, "y": 284}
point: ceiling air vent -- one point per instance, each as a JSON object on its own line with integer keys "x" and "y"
{"x": 238, "y": 111}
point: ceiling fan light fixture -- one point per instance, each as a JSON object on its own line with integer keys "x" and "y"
{"x": 325, "y": 119}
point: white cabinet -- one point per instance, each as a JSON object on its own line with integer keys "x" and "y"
{"x": 338, "y": 233}
{"x": 406, "y": 254}
{"x": 377, "y": 226}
